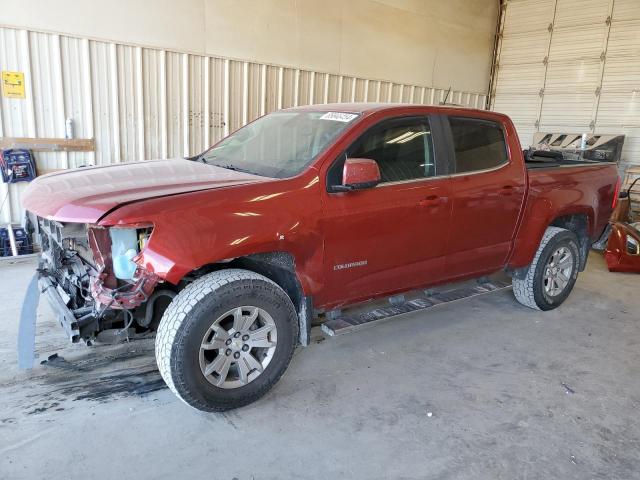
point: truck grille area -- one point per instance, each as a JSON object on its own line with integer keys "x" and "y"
{"x": 76, "y": 274}
{"x": 67, "y": 258}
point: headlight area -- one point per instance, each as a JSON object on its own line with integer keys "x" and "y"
{"x": 126, "y": 244}
{"x": 121, "y": 283}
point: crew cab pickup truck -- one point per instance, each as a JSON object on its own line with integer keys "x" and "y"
{"x": 233, "y": 253}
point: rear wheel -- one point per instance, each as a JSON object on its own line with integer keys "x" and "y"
{"x": 552, "y": 274}
{"x": 226, "y": 339}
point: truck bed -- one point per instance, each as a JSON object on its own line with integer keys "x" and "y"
{"x": 561, "y": 163}
{"x": 550, "y": 159}
{"x": 586, "y": 188}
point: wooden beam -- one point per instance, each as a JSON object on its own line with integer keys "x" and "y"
{"x": 49, "y": 144}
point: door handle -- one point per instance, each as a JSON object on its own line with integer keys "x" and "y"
{"x": 507, "y": 190}
{"x": 430, "y": 201}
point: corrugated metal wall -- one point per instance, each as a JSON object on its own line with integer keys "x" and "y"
{"x": 144, "y": 103}
{"x": 571, "y": 66}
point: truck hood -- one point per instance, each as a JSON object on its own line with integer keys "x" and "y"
{"x": 84, "y": 195}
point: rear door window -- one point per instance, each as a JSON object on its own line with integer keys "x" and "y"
{"x": 478, "y": 144}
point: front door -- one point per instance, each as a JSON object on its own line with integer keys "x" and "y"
{"x": 391, "y": 237}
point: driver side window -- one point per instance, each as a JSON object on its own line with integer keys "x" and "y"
{"x": 403, "y": 149}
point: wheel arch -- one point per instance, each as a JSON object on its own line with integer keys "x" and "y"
{"x": 581, "y": 225}
{"x": 279, "y": 267}
{"x": 579, "y": 221}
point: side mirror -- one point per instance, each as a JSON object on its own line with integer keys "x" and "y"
{"x": 358, "y": 174}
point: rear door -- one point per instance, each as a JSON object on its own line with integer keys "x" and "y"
{"x": 391, "y": 237}
{"x": 488, "y": 188}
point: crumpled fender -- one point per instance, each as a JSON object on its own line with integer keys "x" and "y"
{"x": 196, "y": 229}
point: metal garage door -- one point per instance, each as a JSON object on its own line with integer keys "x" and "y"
{"x": 571, "y": 66}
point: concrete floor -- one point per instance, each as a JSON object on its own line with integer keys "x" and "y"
{"x": 513, "y": 393}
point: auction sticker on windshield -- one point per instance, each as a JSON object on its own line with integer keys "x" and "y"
{"x": 338, "y": 116}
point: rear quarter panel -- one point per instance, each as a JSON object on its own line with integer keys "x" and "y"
{"x": 560, "y": 191}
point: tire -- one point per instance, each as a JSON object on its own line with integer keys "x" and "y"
{"x": 185, "y": 325}
{"x": 531, "y": 290}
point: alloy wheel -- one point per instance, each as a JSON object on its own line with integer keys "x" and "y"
{"x": 237, "y": 347}
{"x": 558, "y": 271}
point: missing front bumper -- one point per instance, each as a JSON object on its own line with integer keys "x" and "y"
{"x": 78, "y": 324}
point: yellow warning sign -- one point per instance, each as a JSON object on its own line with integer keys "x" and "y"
{"x": 13, "y": 84}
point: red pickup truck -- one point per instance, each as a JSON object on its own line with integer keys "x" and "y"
{"x": 231, "y": 254}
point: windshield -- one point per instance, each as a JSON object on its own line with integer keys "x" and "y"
{"x": 279, "y": 145}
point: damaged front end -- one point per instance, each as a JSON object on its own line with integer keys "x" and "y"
{"x": 91, "y": 279}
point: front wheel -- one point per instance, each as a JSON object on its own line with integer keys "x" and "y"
{"x": 552, "y": 274}
{"x": 226, "y": 339}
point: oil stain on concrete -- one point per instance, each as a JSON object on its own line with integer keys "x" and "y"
{"x": 480, "y": 389}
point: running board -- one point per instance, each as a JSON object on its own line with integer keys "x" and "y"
{"x": 361, "y": 316}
